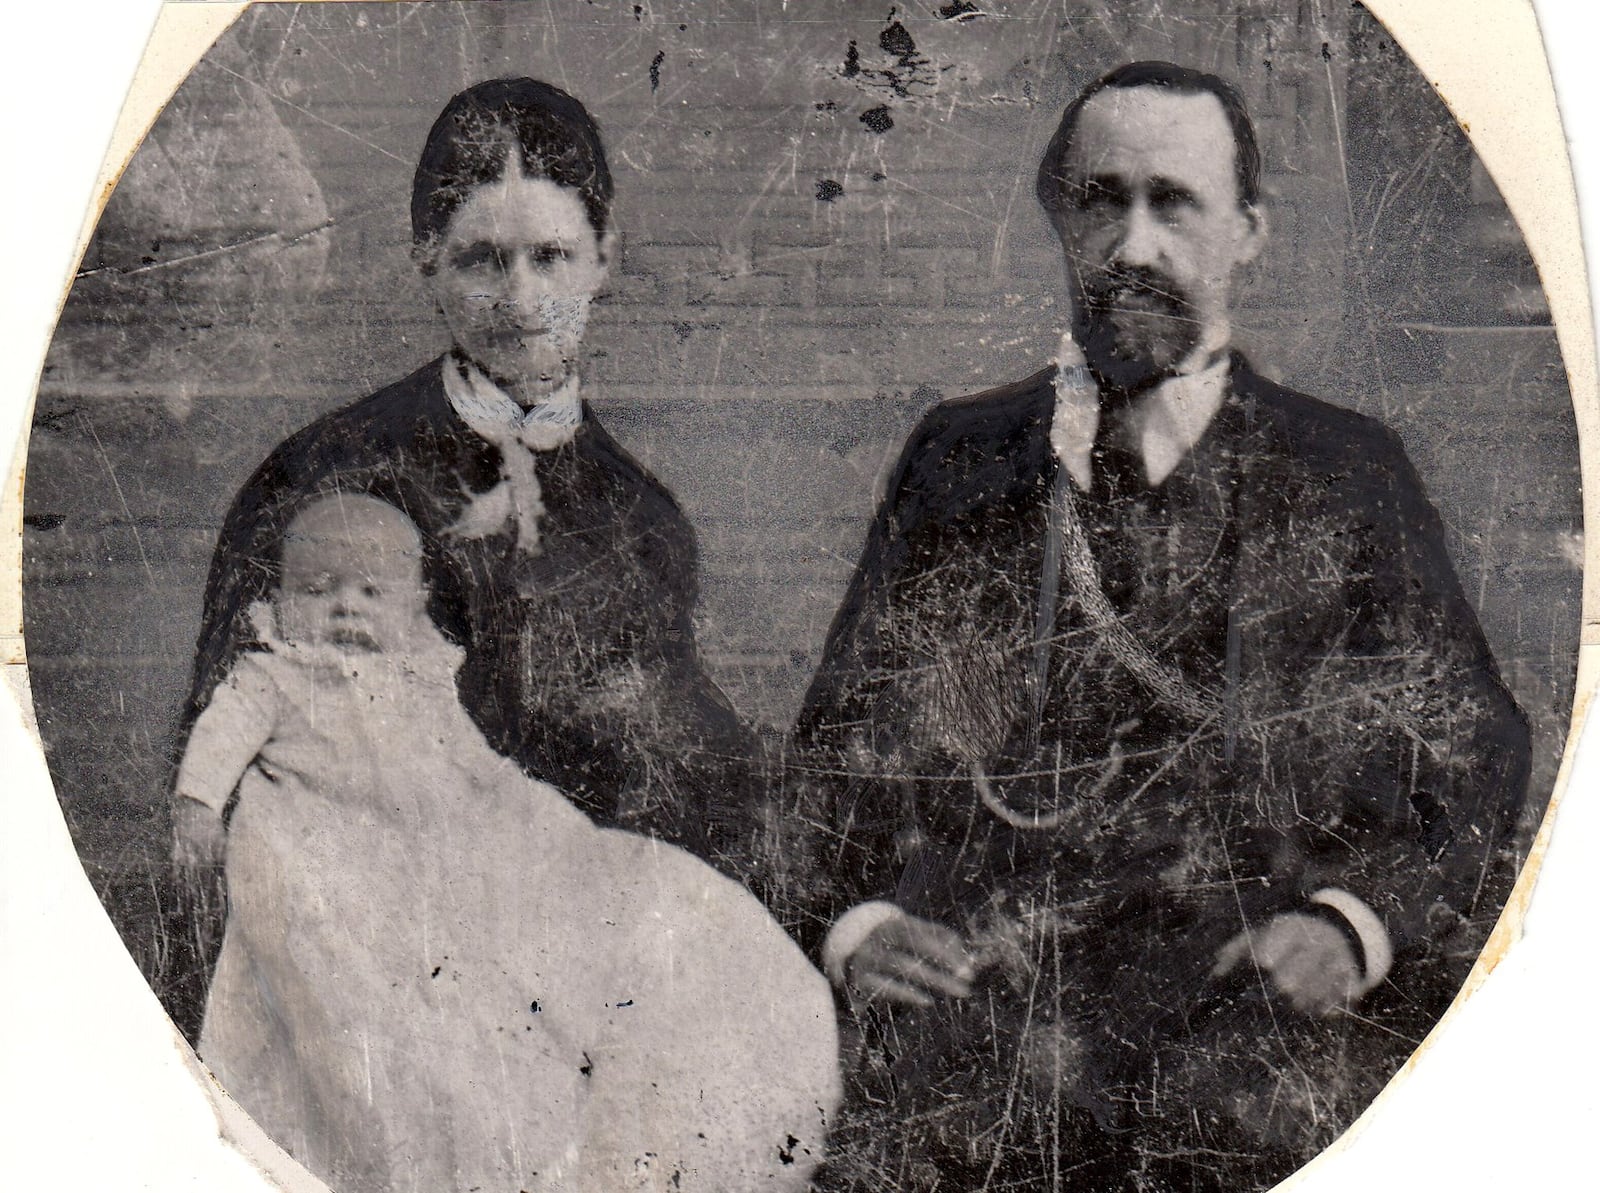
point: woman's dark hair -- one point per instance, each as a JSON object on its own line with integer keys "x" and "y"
{"x": 1181, "y": 79}
{"x": 473, "y": 142}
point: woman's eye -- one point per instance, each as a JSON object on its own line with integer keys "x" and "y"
{"x": 478, "y": 255}
{"x": 371, "y": 591}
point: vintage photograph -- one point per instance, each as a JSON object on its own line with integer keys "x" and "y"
{"x": 899, "y": 598}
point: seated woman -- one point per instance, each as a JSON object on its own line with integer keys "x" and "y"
{"x": 563, "y": 568}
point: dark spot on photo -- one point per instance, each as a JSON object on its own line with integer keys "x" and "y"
{"x": 877, "y": 119}
{"x": 897, "y": 40}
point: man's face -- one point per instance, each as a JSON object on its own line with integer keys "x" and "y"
{"x": 1154, "y": 232}
{"x": 514, "y": 274}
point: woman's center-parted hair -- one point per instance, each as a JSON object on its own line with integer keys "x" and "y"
{"x": 491, "y": 128}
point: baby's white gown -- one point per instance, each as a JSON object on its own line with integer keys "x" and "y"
{"x": 438, "y": 975}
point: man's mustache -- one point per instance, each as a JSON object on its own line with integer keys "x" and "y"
{"x": 1136, "y": 288}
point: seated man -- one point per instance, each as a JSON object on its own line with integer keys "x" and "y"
{"x": 1156, "y": 763}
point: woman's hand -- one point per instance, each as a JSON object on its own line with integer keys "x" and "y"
{"x": 199, "y": 838}
{"x": 910, "y": 961}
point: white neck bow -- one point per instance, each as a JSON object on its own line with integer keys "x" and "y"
{"x": 494, "y": 414}
{"x": 516, "y": 502}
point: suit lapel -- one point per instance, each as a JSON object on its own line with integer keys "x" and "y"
{"x": 1290, "y": 581}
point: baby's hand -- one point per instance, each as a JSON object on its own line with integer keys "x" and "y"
{"x": 199, "y": 837}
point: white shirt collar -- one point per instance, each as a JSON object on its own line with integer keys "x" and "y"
{"x": 1162, "y": 426}
{"x": 495, "y": 415}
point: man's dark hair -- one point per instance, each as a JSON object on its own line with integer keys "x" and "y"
{"x": 472, "y": 143}
{"x": 1181, "y": 79}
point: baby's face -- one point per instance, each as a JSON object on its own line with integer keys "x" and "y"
{"x": 355, "y": 586}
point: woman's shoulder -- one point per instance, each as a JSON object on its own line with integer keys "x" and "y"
{"x": 373, "y": 433}
{"x": 364, "y": 429}
{"x": 629, "y": 479}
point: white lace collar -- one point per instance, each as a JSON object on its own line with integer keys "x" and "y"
{"x": 428, "y": 654}
{"x": 495, "y": 415}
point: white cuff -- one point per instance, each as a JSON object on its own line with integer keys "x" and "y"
{"x": 182, "y": 796}
{"x": 1369, "y": 929}
{"x": 850, "y": 932}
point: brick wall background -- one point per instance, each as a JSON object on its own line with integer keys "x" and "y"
{"x": 796, "y": 287}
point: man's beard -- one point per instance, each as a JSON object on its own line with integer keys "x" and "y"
{"x": 1136, "y": 327}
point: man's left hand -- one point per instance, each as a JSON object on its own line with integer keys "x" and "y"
{"x": 1308, "y": 959}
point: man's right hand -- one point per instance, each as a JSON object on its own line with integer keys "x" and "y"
{"x": 910, "y": 961}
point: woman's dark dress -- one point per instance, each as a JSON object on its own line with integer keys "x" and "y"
{"x": 581, "y": 662}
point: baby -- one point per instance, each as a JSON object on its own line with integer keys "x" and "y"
{"x": 351, "y": 588}
{"x": 437, "y": 973}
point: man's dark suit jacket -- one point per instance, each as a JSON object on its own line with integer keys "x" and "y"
{"x": 1292, "y": 569}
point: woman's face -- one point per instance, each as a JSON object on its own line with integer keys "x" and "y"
{"x": 514, "y": 274}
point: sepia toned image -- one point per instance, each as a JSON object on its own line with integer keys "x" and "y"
{"x": 956, "y": 596}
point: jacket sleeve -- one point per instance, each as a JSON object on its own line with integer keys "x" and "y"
{"x": 1440, "y": 752}
{"x": 843, "y": 805}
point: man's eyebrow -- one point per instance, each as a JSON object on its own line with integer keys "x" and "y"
{"x": 1112, "y": 184}
{"x": 1163, "y": 187}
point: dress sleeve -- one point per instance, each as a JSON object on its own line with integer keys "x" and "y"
{"x": 228, "y": 735}
{"x": 708, "y": 707}
{"x": 243, "y": 571}
{"x": 698, "y": 782}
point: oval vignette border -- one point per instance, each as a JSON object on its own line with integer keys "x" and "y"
{"x": 1514, "y": 129}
